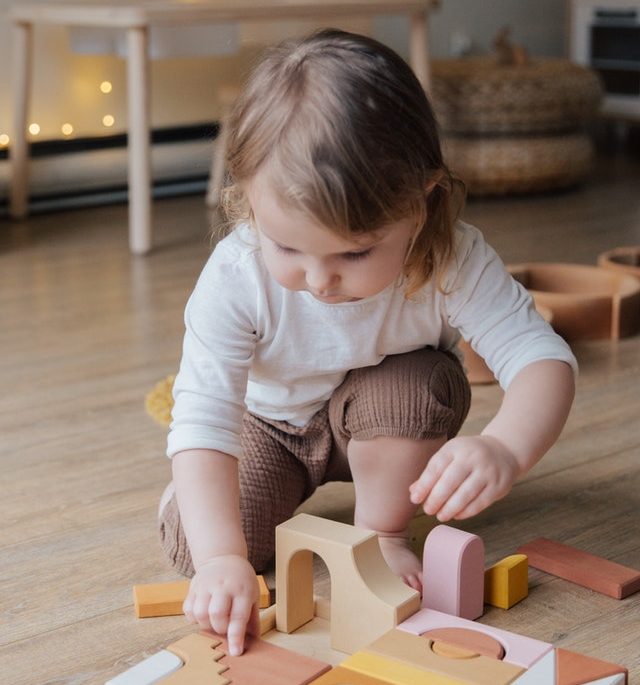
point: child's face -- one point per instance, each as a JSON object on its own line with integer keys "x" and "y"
{"x": 303, "y": 255}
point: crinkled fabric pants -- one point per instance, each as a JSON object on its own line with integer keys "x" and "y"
{"x": 418, "y": 395}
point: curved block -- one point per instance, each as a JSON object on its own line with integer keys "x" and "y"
{"x": 453, "y": 572}
{"x": 367, "y": 599}
{"x": 622, "y": 259}
{"x": 587, "y": 302}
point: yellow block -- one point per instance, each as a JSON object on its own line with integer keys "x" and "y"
{"x": 160, "y": 599}
{"x": 507, "y": 582}
{"x": 394, "y": 672}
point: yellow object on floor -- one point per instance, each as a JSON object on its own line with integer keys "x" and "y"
{"x": 159, "y": 401}
{"x": 507, "y": 582}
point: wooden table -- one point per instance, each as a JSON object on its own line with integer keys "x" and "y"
{"x": 136, "y": 19}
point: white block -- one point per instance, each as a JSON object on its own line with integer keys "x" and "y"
{"x": 149, "y": 671}
{"x": 543, "y": 672}
{"x": 617, "y": 679}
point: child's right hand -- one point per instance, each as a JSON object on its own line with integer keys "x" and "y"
{"x": 223, "y": 596}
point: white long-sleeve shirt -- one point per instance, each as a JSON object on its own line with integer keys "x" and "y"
{"x": 252, "y": 344}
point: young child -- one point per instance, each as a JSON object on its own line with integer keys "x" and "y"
{"x": 321, "y": 336}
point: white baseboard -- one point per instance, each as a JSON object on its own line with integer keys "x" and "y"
{"x": 84, "y": 178}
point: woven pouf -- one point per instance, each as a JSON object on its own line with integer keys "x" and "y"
{"x": 515, "y": 128}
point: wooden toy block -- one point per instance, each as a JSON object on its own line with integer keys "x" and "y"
{"x": 518, "y": 649}
{"x": 587, "y": 302}
{"x": 582, "y": 568}
{"x": 265, "y": 596}
{"x": 345, "y": 676}
{"x": 268, "y": 664}
{"x": 469, "y": 640}
{"x": 166, "y": 599}
{"x": 619, "y": 679}
{"x": 160, "y": 599}
{"x": 417, "y": 651}
{"x": 453, "y": 572}
{"x": 543, "y": 672}
{"x": 201, "y": 661}
{"x": 367, "y": 598}
{"x": 150, "y": 671}
{"x": 267, "y": 619}
{"x": 393, "y": 672}
{"x": 578, "y": 669}
{"x": 507, "y": 582}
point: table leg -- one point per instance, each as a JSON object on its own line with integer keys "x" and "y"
{"x": 419, "y": 48}
{"x": 140, "y": 229}
{"x": 18, "y": 146}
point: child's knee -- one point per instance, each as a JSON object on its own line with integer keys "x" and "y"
{"x": 420, "y": 395}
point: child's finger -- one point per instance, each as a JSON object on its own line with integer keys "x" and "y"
{"x": 200, "y": 609}
{"x": 219, "y": 610}
{"x": 446, "y": 485}
{"x": 253, "y": 626}
{"x": 187, "y": 607}
{"x": 463, "y": 497}
{"x": 240, "y": 616}
{"x": 420, "y": 489}
{"x": 481, "y": 502}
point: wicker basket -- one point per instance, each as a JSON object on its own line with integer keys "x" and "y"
{"x": 478, "y": 95}
{"x": 493, "y": 166}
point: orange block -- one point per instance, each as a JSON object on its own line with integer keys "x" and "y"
{"x": 160, "y": 599}
{"x": 575, "y": 669}
{"x": 265, "y": 596}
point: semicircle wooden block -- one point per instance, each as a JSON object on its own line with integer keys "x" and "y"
{"x": 471, "y": 640}
{"x": 367, "y": 598}
{"x": 453, "y": 572}
{"x": 623, "y": 259}
{"x": 587, "y": 302}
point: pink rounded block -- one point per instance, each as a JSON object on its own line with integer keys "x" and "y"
{"x": 453, "y": 572}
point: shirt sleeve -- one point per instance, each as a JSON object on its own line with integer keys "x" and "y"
{"x": 218, "y": 348}
{"x": 495, "y": 313}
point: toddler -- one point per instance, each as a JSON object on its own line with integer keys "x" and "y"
{"x": 321, "y": 336}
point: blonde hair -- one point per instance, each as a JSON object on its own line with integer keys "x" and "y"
{"x": 347, "y": 136}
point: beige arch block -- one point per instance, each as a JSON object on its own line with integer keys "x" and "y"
{"x": 367, "y": 599}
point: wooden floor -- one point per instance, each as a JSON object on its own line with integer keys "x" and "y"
{"x": 86, "y": 330}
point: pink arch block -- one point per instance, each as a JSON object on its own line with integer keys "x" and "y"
{"x": 453, "y": 572}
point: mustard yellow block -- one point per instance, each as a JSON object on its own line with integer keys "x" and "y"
{"x": 160, "y": 599}
{"x": 265, "y": 597}
{"x": 507, "y": 582}
{"x": 394, "y": 672}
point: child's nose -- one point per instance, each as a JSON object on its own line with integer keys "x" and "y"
{"x": 320, "y": 278}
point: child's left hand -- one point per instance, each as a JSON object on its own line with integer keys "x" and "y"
{"x": 465, "y": 476}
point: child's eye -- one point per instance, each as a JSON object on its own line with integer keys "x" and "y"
{"x": 355, "y": 256}
{"x": 286, "y": 250}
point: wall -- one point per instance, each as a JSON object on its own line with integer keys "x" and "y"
{"x": 66, "y": 86}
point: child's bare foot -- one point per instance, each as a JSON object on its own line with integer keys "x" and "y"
{"x": 401, "y": 560}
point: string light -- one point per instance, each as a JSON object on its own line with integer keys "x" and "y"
{"x": 108, "y": 120}
{"x": 106, "y": 87}
{"x": 34, "y": 129}
{"x": 67, "y": 129}
{"x": 4, "y": 140}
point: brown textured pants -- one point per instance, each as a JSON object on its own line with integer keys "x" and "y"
{"x": 419, "y": 395}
